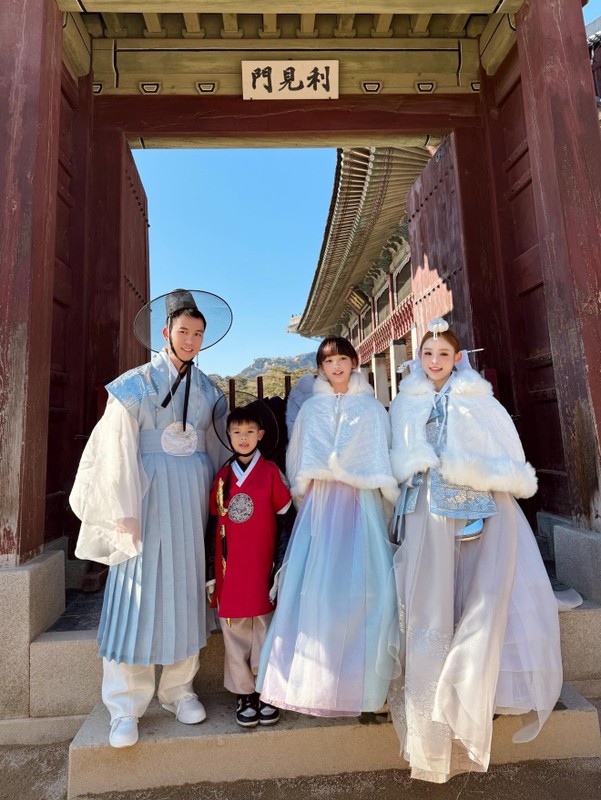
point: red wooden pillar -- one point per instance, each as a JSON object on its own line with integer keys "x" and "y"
{"x": 565, "y": 157}
{"x": 30, "y": 65}
{"x": 119, "y": 281}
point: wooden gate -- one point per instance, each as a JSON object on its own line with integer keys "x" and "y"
{"x": 69, "y": 318}
{"x": 527, "y": 333}
{"x": 98, "y": 290}
{"x": 492, "y": 301}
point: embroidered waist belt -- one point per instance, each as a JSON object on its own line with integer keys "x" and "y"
{"x": 154, "y": 442}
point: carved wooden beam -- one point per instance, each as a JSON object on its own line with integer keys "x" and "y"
{"x": 230, "y": 28}
{"x": 193, "y": 28}
{"x": 345, "y": 26}
{"x": 381, "y": 26}
{"x": 154, "y": 29}
{"x": 456, "y": 23}
{"x": 113, "y": 27}
{"x": 270, "y": 28}
{"x": 307, "y": 29}
{"x": 420, "y": 24}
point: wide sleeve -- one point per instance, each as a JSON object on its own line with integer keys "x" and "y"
{"x": 109, "y": 488}
{"x": 484, "y": 450}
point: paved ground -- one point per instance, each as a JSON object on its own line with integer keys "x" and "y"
{"x": 40, "y": 773}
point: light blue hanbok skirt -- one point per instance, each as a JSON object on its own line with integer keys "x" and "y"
{"x": 154, "y": 604}
{"x": 326, "y": 650}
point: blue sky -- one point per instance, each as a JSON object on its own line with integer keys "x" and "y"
{"x": 247, "y": 225}
{"x": 592, "y": 10}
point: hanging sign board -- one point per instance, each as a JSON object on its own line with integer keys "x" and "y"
{"x": 290, "y": 80}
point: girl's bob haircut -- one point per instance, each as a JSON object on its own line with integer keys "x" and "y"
{"x": 336, "y": 346}
{"x": 449, "y": 335}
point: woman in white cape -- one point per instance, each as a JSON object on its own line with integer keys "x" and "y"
{"x": 479, "y": 631}
{"x": 325, "y": 652}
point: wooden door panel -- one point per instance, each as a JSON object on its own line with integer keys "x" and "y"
{"x": 532, "y": 373}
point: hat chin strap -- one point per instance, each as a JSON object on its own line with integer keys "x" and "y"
{"x": 182, "y": 372}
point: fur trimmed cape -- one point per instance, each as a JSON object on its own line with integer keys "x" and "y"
{"x": 341, "y": 437}
{"x": 482, "y": 450}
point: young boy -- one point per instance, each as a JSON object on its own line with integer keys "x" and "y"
{"x": 252, "y": 516}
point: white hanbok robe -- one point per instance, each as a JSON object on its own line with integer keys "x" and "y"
{"x": 135, "y": 477}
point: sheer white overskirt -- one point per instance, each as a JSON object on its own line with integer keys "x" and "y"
{"x": 479, "y": 635}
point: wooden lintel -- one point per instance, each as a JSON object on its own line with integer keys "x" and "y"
{"x": 414, "y": 7}
{"x": 382, "y": 24}
{"x": 420, "y": 24}
{"x": 496, "y": 41}
{"x": 385, "y": 115}
{"x": 345, "y": 26}
{"x": 433, "y": 45}
{"x": 230, "y": 28}
{"x": 77, "y": 45}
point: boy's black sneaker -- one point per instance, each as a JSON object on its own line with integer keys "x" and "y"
{"x": 268, "y": 715}
{"x": 247, "y": 711}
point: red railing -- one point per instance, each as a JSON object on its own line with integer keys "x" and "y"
{"x": 396, "y": 326}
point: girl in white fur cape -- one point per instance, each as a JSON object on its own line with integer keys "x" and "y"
{"x": 325, "y": 652}
{"x": 479, "y": 631}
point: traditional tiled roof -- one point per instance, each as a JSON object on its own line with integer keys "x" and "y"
{"x": 368, "y": 205}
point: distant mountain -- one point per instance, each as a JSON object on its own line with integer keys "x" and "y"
{"x": 263, "y": 366}
{"x": 272, "y": 371}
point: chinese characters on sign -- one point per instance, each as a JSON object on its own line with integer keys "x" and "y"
{"x": 287, "y": 80}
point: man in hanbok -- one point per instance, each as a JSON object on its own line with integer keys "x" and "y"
{"x": 141, "y": 493}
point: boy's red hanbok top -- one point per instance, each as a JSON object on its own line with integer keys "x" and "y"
{"x": 252, "y": 500}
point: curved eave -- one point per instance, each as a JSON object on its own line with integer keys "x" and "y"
{"x": 368, "y": 204}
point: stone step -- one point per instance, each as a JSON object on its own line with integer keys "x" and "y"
{"x": 75, "y": 653}
{"x": 171, "y": 754}
{"x": 55, "y": 654}
{"x": 580, "y": 647}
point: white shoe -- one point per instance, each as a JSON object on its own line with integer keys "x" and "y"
{"x": 188, "y": 709}
{"x": 124, "y": 732}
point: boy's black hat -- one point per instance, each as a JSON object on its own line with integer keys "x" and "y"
{"x": 258, "y": 410}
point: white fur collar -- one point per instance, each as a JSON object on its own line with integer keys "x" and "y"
{"x": 357, "y": 385}
{"x": 465, "y": 381}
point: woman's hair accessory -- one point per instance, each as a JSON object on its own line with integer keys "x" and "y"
{"x": 150, "y": 321}
{"x": 411, "y": 364}
{"x": 437, "y": 326}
